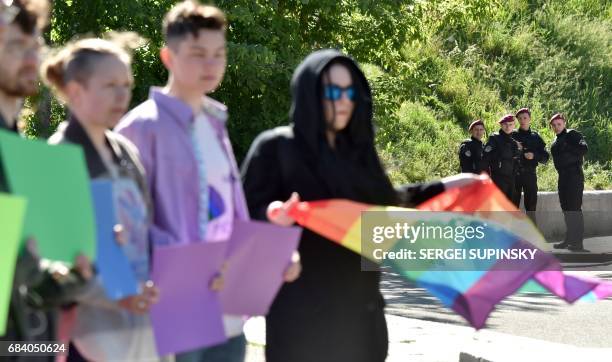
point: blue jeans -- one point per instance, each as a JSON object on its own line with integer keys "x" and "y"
{"x": 234, "y": 350}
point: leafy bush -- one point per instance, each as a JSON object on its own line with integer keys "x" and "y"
{"x": 434, "y": 66}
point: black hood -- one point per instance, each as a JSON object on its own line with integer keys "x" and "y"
{"x": 352, "y": 170}
{"x": 307, "y": 110}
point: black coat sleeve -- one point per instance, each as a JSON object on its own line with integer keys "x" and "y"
{"x": 54, "y": 292}
{"x": 411, "y": 195}
{"x": 45, "y": 289}
{"x": 489, "y": 155}
{"x": 261, "y": 175}
{"x": 573, "y": 150}
{"x": 465, "y": 161}
{"x": 541, "y": 155}
{"x": 577, "y": 143}
{"x": 570, "y": 159}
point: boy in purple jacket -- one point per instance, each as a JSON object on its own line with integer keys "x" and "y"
{"x": 185, "y": 149}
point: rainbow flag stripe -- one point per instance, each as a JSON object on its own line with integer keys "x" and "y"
{"x": 475, "y": 290}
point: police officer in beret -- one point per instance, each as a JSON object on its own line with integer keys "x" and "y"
{"x": 533, "y": 153}
{"x": 471, "y": 150}
{"x": 501, "y": 157}
{"x": 568, "y": 150}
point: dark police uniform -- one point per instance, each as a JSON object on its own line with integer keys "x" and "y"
{"x": 501, "y": 158}
{"x": 526, "y": 180}
{"x": 470, "y": 155}
{"x": 568, "y": 150}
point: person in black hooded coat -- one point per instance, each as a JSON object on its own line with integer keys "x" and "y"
{"x": 334, "y": 311}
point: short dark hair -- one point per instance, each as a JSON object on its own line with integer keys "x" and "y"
{"x": 32, "y": 14}
{"x": 189, "y": 17}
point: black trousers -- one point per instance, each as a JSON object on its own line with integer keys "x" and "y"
{"x": 571, "y": 187}
{"x": 506, "y": 184}
{"x": 527, "y": 182}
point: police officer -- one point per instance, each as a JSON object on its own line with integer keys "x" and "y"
{"x": 568, "y": 150}
{"x": 501, "y": 157}
{"x": 534, "y": 152}
{"x": 470, "y": 151}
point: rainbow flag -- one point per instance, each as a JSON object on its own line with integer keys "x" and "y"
{"x": 484, "y": 200}
{"x": 470, "y": 287}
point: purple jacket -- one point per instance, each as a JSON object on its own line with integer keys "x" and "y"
{"x": 159, "y": 128}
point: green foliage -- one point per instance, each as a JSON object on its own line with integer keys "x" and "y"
{"x": 434, "y": 66}
{"x": 417, "y": 132}
{"x": 77, "y": 18}
{"x": 484, "y": 60}
{"x": 269, "y": 38}
{"x": 266, "y": 40}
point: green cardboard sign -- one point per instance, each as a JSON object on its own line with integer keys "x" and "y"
{"x": 12, "y": 212}
{"x": 55, "y": 182}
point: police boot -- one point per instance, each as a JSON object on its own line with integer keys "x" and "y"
{"x": 577, "y": 247}
{"x": 563, "y": 245}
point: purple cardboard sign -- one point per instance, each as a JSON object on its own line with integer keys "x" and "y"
{"x": 188, "y": 315}
{"x": 258, "y": 255}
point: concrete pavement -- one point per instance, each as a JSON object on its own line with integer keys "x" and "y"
{"x": 600, "y": 251}
{"x": 525, "y": 327}
{"x": 423, "y": 341}
{"x": 539, "y": 316}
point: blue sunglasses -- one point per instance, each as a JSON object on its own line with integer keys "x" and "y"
{"x": 333, "y": 92}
